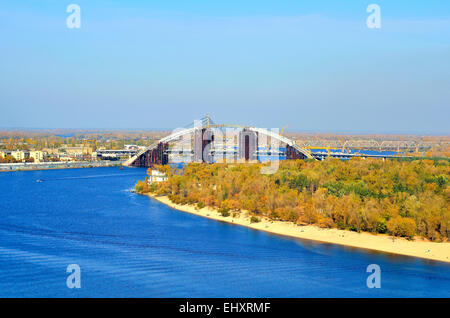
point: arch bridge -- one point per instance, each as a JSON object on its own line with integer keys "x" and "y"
{"x": 206, "y": 141}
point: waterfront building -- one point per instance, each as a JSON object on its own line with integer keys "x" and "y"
{"x": 77, "y": 151}
{"x": 18, "y": 155}
{"x": 38, "y": 156}
{"x": 65, "y": 158}
{"x": 131, "y": 147}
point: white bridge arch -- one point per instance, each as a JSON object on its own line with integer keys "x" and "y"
{"x": 191, "y": 131}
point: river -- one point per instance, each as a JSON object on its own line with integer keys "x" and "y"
{"x": 128, "y": 245}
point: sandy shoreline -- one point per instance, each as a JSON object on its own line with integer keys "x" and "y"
{"x": 384, "y": 243}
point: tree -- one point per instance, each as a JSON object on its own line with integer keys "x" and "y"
{"x": 400, "y": 226}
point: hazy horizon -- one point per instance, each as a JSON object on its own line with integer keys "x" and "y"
{"x": 287, "y": 130}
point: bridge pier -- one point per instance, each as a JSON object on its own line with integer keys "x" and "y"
{"x": 203, "y": 140}
{"x": 248, "y": 142}
{"x": 292, "y": 153}
{"x": 155, "y": 156}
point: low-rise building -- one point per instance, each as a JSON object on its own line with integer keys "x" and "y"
{"x": 109, "y": 154}
{"x": 38, "y": 156}
{"x": 19, "y": 155}
{"x": 131, "y": 147}
{"x": 77, "y": 151}
{"x": 65, "y": 158}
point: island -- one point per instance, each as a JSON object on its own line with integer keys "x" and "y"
{"x": 395, "y": 206}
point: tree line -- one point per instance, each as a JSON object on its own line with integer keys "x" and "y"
{"x": 400, "y": 198}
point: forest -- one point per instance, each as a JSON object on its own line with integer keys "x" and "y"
{"x": 400, "y": 198}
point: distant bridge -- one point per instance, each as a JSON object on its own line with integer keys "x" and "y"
{"x": 206, "y": 141}
{"x": 378, "y": 145}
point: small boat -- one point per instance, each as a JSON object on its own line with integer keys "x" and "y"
{"x": 39, "y": 180}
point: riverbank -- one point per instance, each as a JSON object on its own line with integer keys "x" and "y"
{"x": 8, "y": 167}
{"x": 383, "y": 243}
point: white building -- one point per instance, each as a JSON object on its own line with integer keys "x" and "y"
{"x": 131, "y": 147}
{"x": 18, "y": 155}
{"x": 37, "y": 155}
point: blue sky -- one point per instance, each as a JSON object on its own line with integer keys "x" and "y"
{"x": 307, "y": 65}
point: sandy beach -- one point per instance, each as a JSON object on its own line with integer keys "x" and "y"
{"x": 384, "y": 243}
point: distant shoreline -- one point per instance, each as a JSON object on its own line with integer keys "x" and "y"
{"x": 383, "y": 243}
{"x": 6, "y": 167}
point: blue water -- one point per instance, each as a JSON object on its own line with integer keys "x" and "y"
{"x": 128, "y": 245}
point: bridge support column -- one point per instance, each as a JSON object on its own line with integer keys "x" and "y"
{"x": 198, "y": 139}
{"x": 248, "y": 142}
{"x": 156, "y": 156}
{"x": 203, "y": 140}
{"x": 292, "y": 153}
